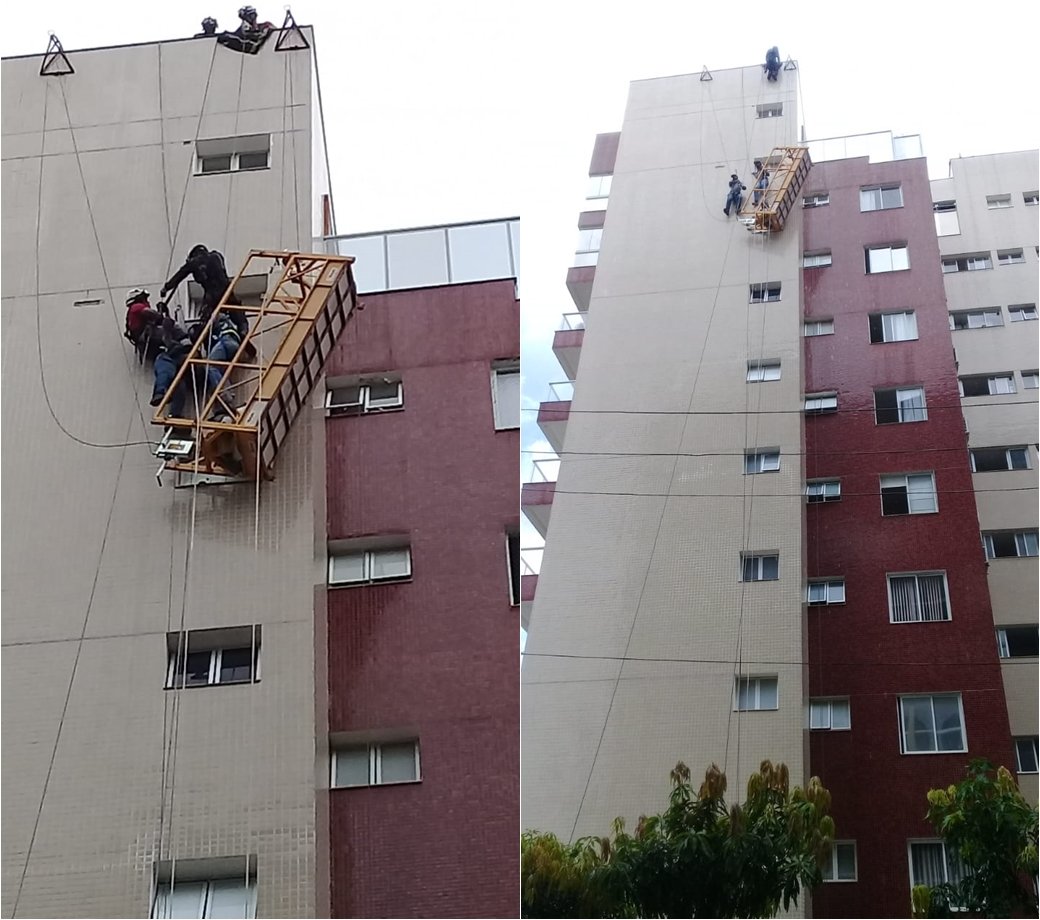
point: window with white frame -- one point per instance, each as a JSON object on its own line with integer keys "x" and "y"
{"x": 902, "y": 404}
{"x": 932, "y": 864}
{"x": 820, "y": 403}
{"x": 770, "y": 110}
{"x": 759, "y": 567}
{"x": 599, "y": 186}
{"x": 1031, "y": 197}
{"x": 1018, "y": 642}
{"x": 880, "y": 197}
{"x": 505, "y": 394}
{"x": 841, "y": 864}
{"x": 1009, "y": 543}
{"x": 823, "y": 490}
{"x": 829, "y": 714}
{"x": 766, "y": 292}
{"x": 762, "y": 461}
{"x": 970, "y": 262}
{"x": 821, "y": 593}
{"x": 995, "y": 459}
{"x": 995, "y": 202}
{"x": 380, "y": 394}
{"x": 1010, "y": 256}
{"x": 587, "y": 250}
{"x": 946, "y": 221}
{"x": 1031, "y": 380}
{"x": 976, "y": 319}
{"x": 908, "y": 493}
{"x": 918, "y": 597}
{"x": 755, "y": 693}
{"x": 891, "y": 258}
{"x": 513, "y": 561}
{"x": 991, "y": 385}
{"x": 376, "y": 764}
{"x": 815, "y": 327}
{"x": 816, "y": 200}
{"x": 931, "y": 724}
{"x": 369, "y": 566}
{"x": 218, "y": 897}
{"x": 892, "y": 327}
{"x": 209, "y": 657}
{"x": 1020, "y": 312}
{"x": 819, "y": 259}
{"x": 232, "y": 154}
{"x": 1026, "y": 753}
{"x": 759, "y": 371}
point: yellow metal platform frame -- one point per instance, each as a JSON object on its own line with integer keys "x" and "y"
{"x": 242, "y": 422}
{"x": 787, "y": 167}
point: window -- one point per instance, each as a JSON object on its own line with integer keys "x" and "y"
{"x": 762, "y": 461}
{"x": 755, "y": 693}
{"x": 903, "y": 404}
{"x": 513, "y": 561}
{"x": 976, "y": 319}
{"x": 826, "y": 592}
{"x": 233, "y": 154}
{"x": 758, "y": 371}
{"x": 823, "y": 490}
{"x": 880, "y": 198}
{"x": 359, "y": 398}
{"x": 992, "y": 459}
{"x": 908, "y": 493}
{"x": 759, "y": 568}
{"x": 841, "y": 866}
{"x": 768, "y": 292}
{"x": 770, "y": 110}
{"x": 946, "y": 221}
{"x": 1010, "y": 256}
{"x": 599, "y": 187}
{"x": 208, "y": 657}
{"x": 994, "y": 202}
{"x": 376, "y": 764}
{"x": 818, "y": 327}
{"x": 369, "y": 566}
{"x": 972, "y": 262}
{"x": 931, "y": 864}
{"x": 1031, "y": 380}
{"x": 892, "y": 327}
{"x": 932, "y": 724}
{"x": 1018, "y": 642}
{"x": 587, "y": 250}
{"x": 918, "y": 598}
{"x": 505, "y": 395}
{"x": 1030, "y": 197}
{"x": 893, "y": 258}
{"x": 995, "y": 385}
{"x": 819, "y": 403}
{"x": 1003, "y": 545}
{"x": 816, "y": 200}
{"x": 1020, "y": 312}
{"x": 829, "y": 715}
{"x": 219, "y": 897}
{"x": 1026, "y": 753}
{"x": 816, "y": 259}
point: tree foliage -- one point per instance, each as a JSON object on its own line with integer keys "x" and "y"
{"x": 699, "y": 858}
{"x": 993, "y": 831}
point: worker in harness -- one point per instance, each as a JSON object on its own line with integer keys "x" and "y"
{"x": 734, "y": 199}
{"x": 176, "y": 342}
{"x": 762, "y": 183}
{"x": 250, "y": 35}
{"x": 142, "y": 324}
{"x": 772, "y": 64}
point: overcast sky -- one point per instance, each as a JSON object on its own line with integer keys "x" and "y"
{"x": 449, "y": 111}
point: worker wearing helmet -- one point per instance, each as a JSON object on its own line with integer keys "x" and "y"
{"x": 141, "y": 322}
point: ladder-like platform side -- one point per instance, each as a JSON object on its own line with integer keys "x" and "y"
{"x": 243, "y": 421}
{"x": 788, "y": 168}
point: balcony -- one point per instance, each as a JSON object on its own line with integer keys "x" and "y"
{"x": 579, "y": 283}
{"x": 530, "y": 563}
{"x": 536, "y": 497}
{"x": 554, "y": 412}
{"x": 567, "y": 343}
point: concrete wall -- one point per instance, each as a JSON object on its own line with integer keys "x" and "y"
{"x": 652, "y": 508}
{"x": 106, "y": 772}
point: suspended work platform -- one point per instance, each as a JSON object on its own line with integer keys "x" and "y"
{"x": 787, "y": 168}
{"x": 237, "y": 426}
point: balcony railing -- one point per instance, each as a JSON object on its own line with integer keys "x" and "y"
{"x": 546, "y": 470}
{"x": 531, "y": 560}
{"x": 561, "y": 391}
{"x": 572, "y": 322}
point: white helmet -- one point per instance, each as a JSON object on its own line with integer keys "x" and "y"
{"x": 136, "y": 294}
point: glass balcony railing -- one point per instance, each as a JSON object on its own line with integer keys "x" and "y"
{"x": 560, "y": 391}
{"x": 531, "y": 560}
{"x": 572, "y": 322}
{"x": 545, "y": 470}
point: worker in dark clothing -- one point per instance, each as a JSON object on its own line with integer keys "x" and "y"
{"x": 224, "y": 341}
{"x": 772, "y": 64}
{"x": 142, "y": 324}
{"x": 208, "y": 269}
{"x": 250, "y": 34}
{"x": 176, "y": 343}
{"x": 209, "y": 28}
{"x": 762, "y": 183}
{"x": 734, "y": 199}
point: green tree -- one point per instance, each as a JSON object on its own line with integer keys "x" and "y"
{"x": 993, "y": 832}
{"x": 699, "y": 858}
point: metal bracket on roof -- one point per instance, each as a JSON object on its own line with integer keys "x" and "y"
{"x": 291, "y": 38}
{"x": 790, "y": 64}
{"x": 706, "y": 75}
{"x": 55, "y": 63}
